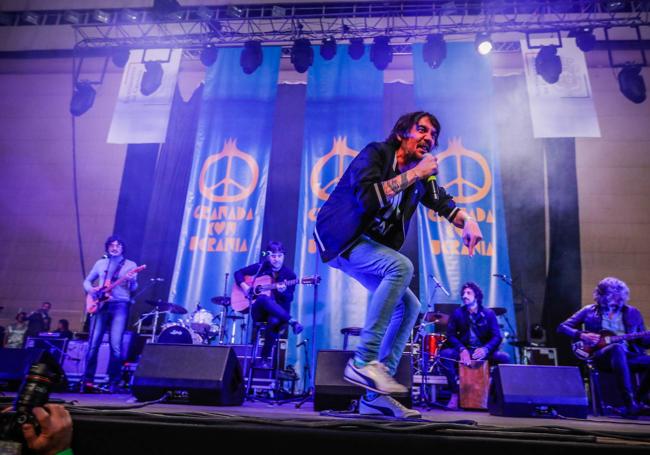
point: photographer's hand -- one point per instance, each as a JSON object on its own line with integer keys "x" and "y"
{"x": 56, "y": 430}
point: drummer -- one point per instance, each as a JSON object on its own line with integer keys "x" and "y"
{"x": 274, "y": 309}
{"x": 472, "y": 334}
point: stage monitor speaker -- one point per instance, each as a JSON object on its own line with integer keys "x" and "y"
{"x": 191, "y": 373}
{"x": 331, "y": 391}
{"x": 15, "y": 364}
{"x": 537, "y": 391}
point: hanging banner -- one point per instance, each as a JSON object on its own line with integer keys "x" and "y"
{"x": 459, "y": 94}
{"x": 139, "y": 118}
{"x": 224, "y": 210}
{"x": 566, "y": 108}
{"x": 343, "y": 114}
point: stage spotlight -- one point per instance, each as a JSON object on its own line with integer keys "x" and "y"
{"x": 328, "y": 48}
{"x": 356, "y": 48}
{"x": 483, "y": 43}
{"x": 209, "y": 55}
{"x": 302, "y": 55}
{"x": 585, "y": 39}
{"x": 120, "y": 57}
{"x": 434, "y": 50}
{"x": 72, "y": 17}
{"x": 548, "y": 64}
{"x": 167, "y": 9}
{"x": 129, "y": 15}
{"x": 234, "y": 11}
{"x": 152, "y": 78}
{"x": 251, "y": 57}
{"x": 632, "y": 84}
{"x": 30, "y": 17}
{"x": 83, "y": 98}
{"x": 103, "y": 17}
{"x": 381, "y": 54}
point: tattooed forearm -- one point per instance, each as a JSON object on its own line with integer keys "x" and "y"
{"x": 398, "y": 184}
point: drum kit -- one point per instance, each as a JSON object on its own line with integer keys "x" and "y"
{"x": 427, "y": 342}
{"x": 198, "y": 327}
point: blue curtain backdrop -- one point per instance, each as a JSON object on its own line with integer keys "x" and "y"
{"x": 460, "y": 94}
{"x": 224, "y": 208}
{"x": 344, "y": 103}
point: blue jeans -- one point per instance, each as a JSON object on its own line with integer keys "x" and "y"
{"x": 112, "y": 318}
{"x": 393, "y": 308}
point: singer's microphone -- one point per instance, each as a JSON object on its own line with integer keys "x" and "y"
{"x": 105, "y": 256}
{"x": 302, "y": 343}
{"x": 433, "y": 180}
{"x": 440, "y": 285}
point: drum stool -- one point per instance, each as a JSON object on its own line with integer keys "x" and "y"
{"x": 347, "y": 332}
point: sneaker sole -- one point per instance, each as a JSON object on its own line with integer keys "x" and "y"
{"x": 383, "y": 411}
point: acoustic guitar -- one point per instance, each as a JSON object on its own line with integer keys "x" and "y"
{"x": 95, "y": 300}
{"x": 263, "y": 286}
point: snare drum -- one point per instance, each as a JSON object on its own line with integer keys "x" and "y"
{"x": 201, "y": 320}
{"x": 433, "y": 342}
{"x": 177, "y": 334}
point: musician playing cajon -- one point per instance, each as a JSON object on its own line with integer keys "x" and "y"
{"x": 272, "y": 307}
{"x": 614, "y": 338}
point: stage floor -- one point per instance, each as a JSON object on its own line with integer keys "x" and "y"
{"x": 108, "y": 423}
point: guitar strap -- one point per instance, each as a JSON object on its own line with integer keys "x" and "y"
{"x": 116, "y": 273}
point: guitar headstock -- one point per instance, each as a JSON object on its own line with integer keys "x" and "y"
{"x": 311, "y": 279}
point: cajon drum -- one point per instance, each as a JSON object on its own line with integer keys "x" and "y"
{"x": 474, "y": 385}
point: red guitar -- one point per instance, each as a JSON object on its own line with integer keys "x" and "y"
{"x": 585, "y": 351}
{"x": 95, "y": 300}
{"x": 263, "y": 285}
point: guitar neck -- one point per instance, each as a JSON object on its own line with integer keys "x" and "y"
{"x": 630, "y": 336}
{"x": 270, "y": 286}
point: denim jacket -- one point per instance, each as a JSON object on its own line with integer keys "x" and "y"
{"x": 487, "y": 328}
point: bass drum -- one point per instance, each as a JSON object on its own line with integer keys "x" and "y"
{"x": 177, "y": 334}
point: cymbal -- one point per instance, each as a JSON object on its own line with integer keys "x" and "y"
{"x": 221, "y": 300}
{"x": 167, "y": 306}
{"x": 436, "y": 316}
{"x": 499, "y": 311}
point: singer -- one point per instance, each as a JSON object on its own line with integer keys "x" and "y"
{"x": 113, "y": 314}
{"x": 274, "y": 306}
{"x": 359, "y": 230}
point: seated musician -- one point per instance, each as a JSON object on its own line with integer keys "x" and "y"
{"x": 612, "y": 313}
{"x": 274, "y": 308}
{"x": 472, "y": 334}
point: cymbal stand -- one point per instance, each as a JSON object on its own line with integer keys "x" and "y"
{"x": 223, "y": 322}
{"x": 425, "y": 365}
{"x": 526, "y": 302}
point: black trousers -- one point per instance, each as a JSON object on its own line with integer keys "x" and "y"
{"x": 276, "y": 315}
{"x": 617, "y": 360}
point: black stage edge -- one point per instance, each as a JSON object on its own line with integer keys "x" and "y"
{"x": 101, "y": 427}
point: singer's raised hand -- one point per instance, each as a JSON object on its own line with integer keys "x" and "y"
{"x": 471, "y": 234}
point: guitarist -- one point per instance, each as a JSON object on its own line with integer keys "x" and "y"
{"x": 611, "y": 312}
{"x": 113, "y": 313}
{"x": 274, "y": 309}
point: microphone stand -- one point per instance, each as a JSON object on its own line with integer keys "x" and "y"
{"x": 309, "y": 393}
{"x": 249, "y": 357}
{"x": 526, "y": 302}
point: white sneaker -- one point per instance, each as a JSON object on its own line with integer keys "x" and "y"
{"x": 387, "y": 406}
{"x": 373, "y": 376}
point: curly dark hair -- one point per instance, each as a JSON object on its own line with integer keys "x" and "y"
{"x": 114, "y": 238}
{"x": 477, "y": 291}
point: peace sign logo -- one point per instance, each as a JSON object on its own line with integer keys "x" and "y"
{"x": 339, "y": 152}
{"x": 468, "y": 191}
{"x": 237, "y": 163}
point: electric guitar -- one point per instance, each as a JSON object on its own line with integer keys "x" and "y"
{"x": 585, "y": 351}
{"x": 263, "y": 286}
{"x": 95, "y": 300}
